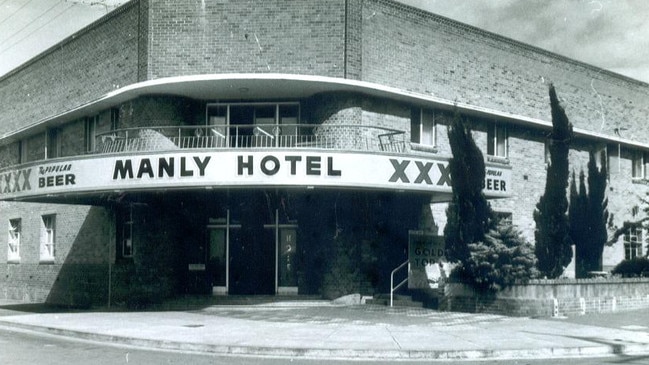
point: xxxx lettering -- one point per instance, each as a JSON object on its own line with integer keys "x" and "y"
{"x": 15, "y": 181}
{"x": 423, "y": 175}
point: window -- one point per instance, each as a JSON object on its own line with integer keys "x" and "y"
{"x": 254, "y": 124}
{"x": 114, "y": 119}
{"x": 497, "y": 140}
{"x": 423, "y": 127}
{"x": 633, "y": 243}
{"x": 640, "y": 166}
{"x": 91, "y": 134}
{"x": 22, "y": 151}
{"x": 504, "y": 217}
{"x": 48, "y": 223}
{"x": 125, "y": 245}
{"x": 52, "y": 143}
{"x": 15, "y": 228}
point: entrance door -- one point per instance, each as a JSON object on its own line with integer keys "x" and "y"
{"x": 286, "y": 265}
{"x": 217, "y": 261}
{"x": 221, "y": 235}
{"x": 285, "y": 247}
{"x": 250, "y": 259}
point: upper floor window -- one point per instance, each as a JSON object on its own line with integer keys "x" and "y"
{"x": 633, "y": 243}
{"x": 258, "y": 124}
{"x": 90, "y": 134}
{"x": 48, "y": 226}
{"x": 423, "y": 127}
{"x": 497, "y": 140}
{"x": 13, "y": 250}
{"x": 22, "y": 151}
{"x": 640, "y": 165}
{"x": 52, "y": 143}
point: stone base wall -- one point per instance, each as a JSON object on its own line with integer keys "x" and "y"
{"x": 547, "y": 298}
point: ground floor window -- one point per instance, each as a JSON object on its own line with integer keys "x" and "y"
{"x": 13, "y": 251}
{"x": 504, "y": 217}
{"x": 48, "y": 223}
{"x": 633, "y": 243}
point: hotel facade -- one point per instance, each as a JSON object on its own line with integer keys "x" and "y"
{"x": 293, "y": 147}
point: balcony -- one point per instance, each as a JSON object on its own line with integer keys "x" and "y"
{"x": 285, "y": 136}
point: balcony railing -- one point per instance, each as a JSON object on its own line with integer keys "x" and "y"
{"x": 334, "y": 137}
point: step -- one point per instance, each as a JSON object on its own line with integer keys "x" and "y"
{"x": 399, "y": 300}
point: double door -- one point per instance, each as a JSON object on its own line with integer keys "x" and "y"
{"x": 251, "y": 260}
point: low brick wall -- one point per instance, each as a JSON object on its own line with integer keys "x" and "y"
{"x": 547, "y": 298}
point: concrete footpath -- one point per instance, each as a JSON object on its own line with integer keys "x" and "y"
{"x": 321, "y": 329}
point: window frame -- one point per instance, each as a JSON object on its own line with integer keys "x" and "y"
{"x": 48, "y": 238}
{"x": 22, "y": 151}
{"x": 633, "y": 240}
{"x": 498, "y": 132}
{"x": 52, "y": 143}
{"x": 218, "y": 116}
{"x": 639, "y": 165}
{"x": 504, "y": 216}
{"x": 13, "y": 255}
{"x": 420, "y": 127}
{"x": 90, "y": 133}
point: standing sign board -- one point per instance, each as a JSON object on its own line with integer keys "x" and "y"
{"x": 428, "y": 268}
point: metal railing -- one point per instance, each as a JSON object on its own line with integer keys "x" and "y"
{"x": 394, "y": 288}
{"x": 335, "y": 137}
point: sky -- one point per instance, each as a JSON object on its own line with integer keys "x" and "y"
{"x": 611, "y": 34}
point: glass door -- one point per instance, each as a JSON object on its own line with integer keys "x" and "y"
{"x": 217, "y": 261}
{"x": 221, "y": 234}
{"x": 285, "y": 249}
{"x": 286, "y": 268}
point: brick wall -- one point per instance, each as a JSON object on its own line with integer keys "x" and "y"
{"x": 99, "y": 59}
{"x": 79, "y": 273}
{"x": 192, "y": 37}
{"x": 412, "y": 50}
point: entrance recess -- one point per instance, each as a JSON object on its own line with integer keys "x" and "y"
{"x": 241, "y": 259}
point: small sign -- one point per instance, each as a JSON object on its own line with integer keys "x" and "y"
{"x": 428, "y": 267}
{"x": 196, "y": 267}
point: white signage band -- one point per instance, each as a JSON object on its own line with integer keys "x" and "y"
{"x": 240, "y": 168}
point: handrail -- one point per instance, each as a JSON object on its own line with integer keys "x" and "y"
{"x": 343, "y": 137}
{"x": 258, "y": 129}
{"x": 394, "y": 288}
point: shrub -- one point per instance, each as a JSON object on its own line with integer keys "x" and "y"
{"x": 503, "y": 259}
{"x": 638, "y": 266}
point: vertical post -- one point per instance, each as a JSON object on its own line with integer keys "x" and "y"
{"x": 110, "y": 263}
{"x": 227, "y": 252}
{"x": 276, "y": 250}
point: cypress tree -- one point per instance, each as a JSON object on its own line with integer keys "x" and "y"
{"x": 579, "y": 221}
{"x": 597, "y": 214}
{"x": 553, "y": 244}
{"x": 588, "y": 215}
{"x": 469, "y": 216}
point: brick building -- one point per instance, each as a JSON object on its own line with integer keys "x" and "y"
{"x": 291, "y": 147}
